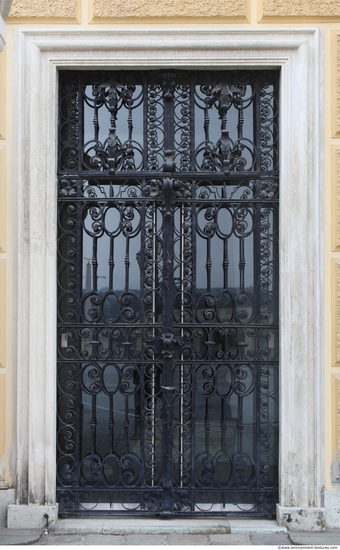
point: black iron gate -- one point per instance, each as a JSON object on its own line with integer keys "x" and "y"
{"x": 168, "y": 292}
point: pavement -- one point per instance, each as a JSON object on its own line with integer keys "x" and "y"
{"x": 236, "y": 534}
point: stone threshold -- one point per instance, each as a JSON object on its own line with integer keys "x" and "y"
{"x": 19, "y": 537}
{"x": 149, "y": 526}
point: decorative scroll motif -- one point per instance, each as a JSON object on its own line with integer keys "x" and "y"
{"x": 182, "y": 122}
{"x": 269, "y": 133}
{"x": 138, "y": 122}
{"x": 224, "y": 92}
{"x": 227, "y": 95}
{"x": 168, "y": 336}
{"x": 68, "y": 120}
{"x": 113, "y": 97}
{"x": 155, "y": 123}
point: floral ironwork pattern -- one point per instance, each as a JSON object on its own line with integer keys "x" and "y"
{"x": 168, "y": 335}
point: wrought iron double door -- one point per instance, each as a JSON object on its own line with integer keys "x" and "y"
{"x": 168, "y": 293}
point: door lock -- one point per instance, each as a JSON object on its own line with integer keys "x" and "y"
{"x": 169, "y": 388}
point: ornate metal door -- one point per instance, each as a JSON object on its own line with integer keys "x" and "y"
{"x": 168, "y": 292}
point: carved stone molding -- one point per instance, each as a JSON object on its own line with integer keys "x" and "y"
{"x": 5, "y": 6}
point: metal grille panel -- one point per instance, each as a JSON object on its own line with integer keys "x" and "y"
{"x": 168, "y": 292}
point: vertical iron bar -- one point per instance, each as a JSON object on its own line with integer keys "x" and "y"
{"x": 207, "y": 426}
{"x": 145, "y": 121}
{"x": 194, "y": 317}
{"x": 223, "y": 425}
{"x": 276, "y": 133}
{"x": 96, "y": 121}
{"x": 126, "y": 425}
{"x": 182, "y": 290}
{"x": 127, "y": 263}
{"x": 94, "y": 264}
{"x": 242, "y": 263}
{"x": 142, "y": 421}
{"x": 130, "y": 124}
{"x": 154, "y": 311}
{"x": 192, "y": 123}
{"x": 80, "y": 105}
{"x": 240, "y": 122}
{"x": 111, "y": 263}
{"x": 208, "y": 265}
{"x": 257, "y": 123}
{"x": 258, "y": 425}
{"x": 194, "y": 255}
{"x": 93, "y": 424}
{"x": 111, "y": 424}
{"x": 225, "y": 264}
{"x": 142, "y": 259}
{"x": 240, "y": 423}
{"x": 79, "y": 423}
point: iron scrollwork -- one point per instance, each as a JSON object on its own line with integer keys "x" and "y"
{"x": 168, "y": 335}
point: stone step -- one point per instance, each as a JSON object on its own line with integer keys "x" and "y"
{"x": 19, "y": 537}
{"x": 147, "y": 526}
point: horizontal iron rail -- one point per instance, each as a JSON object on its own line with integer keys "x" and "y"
{"x": 149, "y": 175}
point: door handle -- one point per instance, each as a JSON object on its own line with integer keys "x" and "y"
{"x": 169, "y": 388}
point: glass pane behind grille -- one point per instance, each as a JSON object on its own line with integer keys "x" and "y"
{"x": 168, "y": 335}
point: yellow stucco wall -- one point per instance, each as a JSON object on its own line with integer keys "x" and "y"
{"x": 245, "y": 14}
{"x": 300, "y": 8}
{"x": 43, "y": 8}
{"x": 171, "y": 8}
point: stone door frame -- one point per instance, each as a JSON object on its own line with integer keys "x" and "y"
{"x": 38, "y": 55}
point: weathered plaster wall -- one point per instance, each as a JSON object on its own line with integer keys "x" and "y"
{"x": 171, "y": 8}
